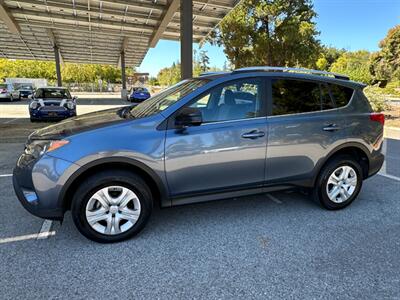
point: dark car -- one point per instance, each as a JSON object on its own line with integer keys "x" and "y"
{"x": 52, "y": 103}
{"x": 138, "y": 94}
{"x": 220, "y": 135}
{"x": 25, "y": 90}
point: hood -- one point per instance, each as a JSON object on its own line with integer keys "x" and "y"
{"x": 80, "y": 123}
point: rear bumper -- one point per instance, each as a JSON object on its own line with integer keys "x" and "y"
{"x": 5, "y": 96}
{"x": 138, "y": 99}
{"x": 375, "y": 164}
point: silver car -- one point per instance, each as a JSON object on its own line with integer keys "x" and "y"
{"x": 221, "y": 135}
{"x": 9, "y": 92}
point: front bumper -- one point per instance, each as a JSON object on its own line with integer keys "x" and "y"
{"x": 37, "y": 185}
{"x": 40, "y": 114}
{"x": 24, "y": 94}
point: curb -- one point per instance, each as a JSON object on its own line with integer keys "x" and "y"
{"x": 392, "y": 133}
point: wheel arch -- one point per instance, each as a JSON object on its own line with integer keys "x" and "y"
{"x": 155, "y": 183}
{"x": 357, "y": 150}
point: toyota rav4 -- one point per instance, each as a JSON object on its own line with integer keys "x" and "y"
{"x": 220, "y": 135}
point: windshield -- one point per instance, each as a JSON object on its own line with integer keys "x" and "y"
{"x": 165, "y": 99}
{"x": 3, "y": 86}
{"x": 53, "y": 94}
{"x": 25, "y": 87}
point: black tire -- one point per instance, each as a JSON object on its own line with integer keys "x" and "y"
{"x": 109, "y": 178}
{"x": 320, "y": 190}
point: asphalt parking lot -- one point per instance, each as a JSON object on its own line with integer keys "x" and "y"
{"x": 278, "y": 245}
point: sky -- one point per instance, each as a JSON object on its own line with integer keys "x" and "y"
{"x": 349, "y": 24}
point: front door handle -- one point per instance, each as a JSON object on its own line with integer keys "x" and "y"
{"x": 254, "y": 134}
{"x": 331, "y": 127}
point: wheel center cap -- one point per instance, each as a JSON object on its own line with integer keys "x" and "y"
{"x": 113, "y": 209}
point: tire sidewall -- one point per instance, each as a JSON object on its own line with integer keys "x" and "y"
{"x": 327, "y": 172}
{"x": 85, "y": 192}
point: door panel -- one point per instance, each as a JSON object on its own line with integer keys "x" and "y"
{"x": 296, "y": 143}
{"x": 216, "y": 156}
{"x": 303, "y": 129}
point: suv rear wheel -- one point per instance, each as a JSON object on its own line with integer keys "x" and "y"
{"x": 339, "y": 183}
{"x": 112, "y": 206}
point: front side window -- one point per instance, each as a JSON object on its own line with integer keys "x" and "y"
{"x": 240, "y": 99}
{"x": 165, "y": 99}
{"x": 292, "y": 96}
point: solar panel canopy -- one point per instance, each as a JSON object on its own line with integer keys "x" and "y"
{"x": 96, "y": 31}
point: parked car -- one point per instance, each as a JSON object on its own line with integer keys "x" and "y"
{"x": 52, "y": 103}
{"x": 138, "y": 94}
{"x": 220, "y": 135}
{"x": 25, "y": 90}
{"x": 8, "y": 92}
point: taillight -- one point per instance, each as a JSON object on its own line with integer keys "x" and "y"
{"x": 377, "y": 117}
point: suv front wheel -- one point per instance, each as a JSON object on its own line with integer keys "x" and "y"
{"x": 112, "y": 206}
{"x": 339, "y": 182}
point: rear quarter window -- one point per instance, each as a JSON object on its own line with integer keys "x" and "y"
{"x": 341, "y": 94}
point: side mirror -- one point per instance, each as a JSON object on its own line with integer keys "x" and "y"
{"x": 188, "y": 116}
{"x": 75, "y": 98}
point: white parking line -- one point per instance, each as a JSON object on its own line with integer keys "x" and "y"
{"x": 10, "y": 121}
{"x": 273, "y": 198}
{"x": 19, "y": 238}
{"x": 45, "y": 231}
{"x": 5, "y": 175}
{"x": 389, "y": 176}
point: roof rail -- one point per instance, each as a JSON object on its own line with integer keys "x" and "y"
{"x": 294, "y": 70}
{"x": 214, "y": 73}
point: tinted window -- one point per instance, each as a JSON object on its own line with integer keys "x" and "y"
{"x": 235, "y": 100}
{"x": 296, "y": 96}
{"x": 326, "y": 99}
{"x": 341, "y": 94}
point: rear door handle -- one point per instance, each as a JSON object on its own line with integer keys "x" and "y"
{"x": 331, "y": 127}
{"x": 254, "y": 134}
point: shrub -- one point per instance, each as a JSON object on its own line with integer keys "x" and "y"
{"x": 376, "y": 98}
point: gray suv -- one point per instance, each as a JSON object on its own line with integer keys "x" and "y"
{"x": 221, "y": 135}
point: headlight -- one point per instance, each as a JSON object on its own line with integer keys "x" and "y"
{"x": 34, "y": 104}
{"x": 37, "y": 148}
{"x": 70, "y": 105}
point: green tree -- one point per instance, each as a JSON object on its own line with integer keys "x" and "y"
{"x": 328, "y": 56}
{"x": 355, "y": 65}
{"x": 270, "y": 32}
{"x": 204, "y": 61}
{"x": 169, "y": 76}
{"x": 385, "y": 64}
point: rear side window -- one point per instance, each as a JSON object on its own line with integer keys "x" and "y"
{"x": 295, "y": 96}
{"x": 341, "y": 94}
